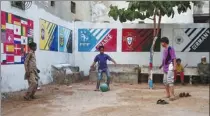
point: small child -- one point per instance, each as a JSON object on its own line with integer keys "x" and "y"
{"x": 179, "y": 70}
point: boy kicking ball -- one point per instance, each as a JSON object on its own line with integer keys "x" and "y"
{"x": 102, "y": 66}
{"x": 169, "y": 67}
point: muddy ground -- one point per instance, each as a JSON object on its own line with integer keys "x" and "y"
{"x": 123, "y": 100}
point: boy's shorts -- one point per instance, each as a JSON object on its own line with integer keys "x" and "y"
{"x": 168, "y": 78}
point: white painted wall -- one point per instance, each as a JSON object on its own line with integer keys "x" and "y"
{"x": 83, "y": 11}
{"x": 13, "y": 75}
{"x": 204, "y": 9}
{"x": 178, "y": 18}
{"x": 85, "y": 59}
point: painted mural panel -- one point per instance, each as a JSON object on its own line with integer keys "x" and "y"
{"x": 16, "y": 33}
{"x": 90, "y": 39}
{"x": 191, "y": 39}
{"x": 48, "y": 36}
{"x": 138, "y": 40}
{"x": 65, "y": 40}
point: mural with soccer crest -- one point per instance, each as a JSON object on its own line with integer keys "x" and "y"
{"x": 16, "y": 33}
{"x": 48, "y": 36}
{"x": 138, "y": 40}
{"x": 65, "y": 40}
{"x": 191, "y": 39}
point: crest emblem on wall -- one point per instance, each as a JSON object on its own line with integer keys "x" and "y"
{"x": 61, "y": 38}
{"x": 42, "y": 33}
{"x": 179, "y": 40}
{"x": 129, "y": 39}
{"x": 61, "y": 41}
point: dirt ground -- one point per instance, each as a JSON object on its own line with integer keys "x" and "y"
{"x": 123, "y": 99}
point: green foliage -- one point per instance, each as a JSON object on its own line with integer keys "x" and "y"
{"x": 147, "y": 9}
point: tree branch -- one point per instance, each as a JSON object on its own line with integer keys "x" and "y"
{"x": 159, "y": 21}
{"x": 151, "y": 18}
{"x": 154, "y": 30}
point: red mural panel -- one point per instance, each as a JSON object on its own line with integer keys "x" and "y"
{"x": 110, "y": 41}
{"x": 138, "y": 40}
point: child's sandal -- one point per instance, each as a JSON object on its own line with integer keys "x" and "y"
{"x": 187, "y": 95}
{"x": 162, "y": 102}
{"x": 181, "y": 95}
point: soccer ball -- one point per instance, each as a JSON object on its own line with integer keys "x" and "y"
{"x": 104, "y": 87}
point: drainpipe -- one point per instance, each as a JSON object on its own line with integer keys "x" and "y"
{"x": 91, "y": 10}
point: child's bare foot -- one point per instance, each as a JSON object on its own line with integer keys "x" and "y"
{"x": 26, "y": 98}
{"x": 33, "y": 97}
{"x": 108, "y": 88}
{"x": 167, "y": 96}
{"x": 172, "y": 98}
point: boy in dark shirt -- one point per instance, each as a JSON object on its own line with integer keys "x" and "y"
{"x": 102, "y": 66}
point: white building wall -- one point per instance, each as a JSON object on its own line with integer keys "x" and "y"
{"x": 204, "y": 9}
{"x": 13, "y": 75}
{"x": 178, "y": 18}
{"x": 83, "y": 11}
{"x": 85, "y": 59}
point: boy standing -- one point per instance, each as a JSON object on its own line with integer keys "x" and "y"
{"x": 31, "y": 72}
{"x": 102, "y": 66}
{"x": 169, "y": 66}
{"x": 179, "y": 70}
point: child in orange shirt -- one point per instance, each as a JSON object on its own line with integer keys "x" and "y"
{"x": 179, "y": 70}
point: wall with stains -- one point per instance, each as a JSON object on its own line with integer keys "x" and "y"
{"x": 141, "y": 58}
{"x": 13, "y": 75}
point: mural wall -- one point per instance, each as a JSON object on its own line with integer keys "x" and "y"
{"x": 16, "y": 33}
{"x": 191, "y": 39}
{"x": 65, "y": 40}
{"x": 138, "y": 40}
{"x": 48, "y": 36}
{"x": 90, "y": 39}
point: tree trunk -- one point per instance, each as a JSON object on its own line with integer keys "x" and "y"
{"x": 154, "y": 29}
{"x": 158, "y": 28}
{"x": 155, "y": 35}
